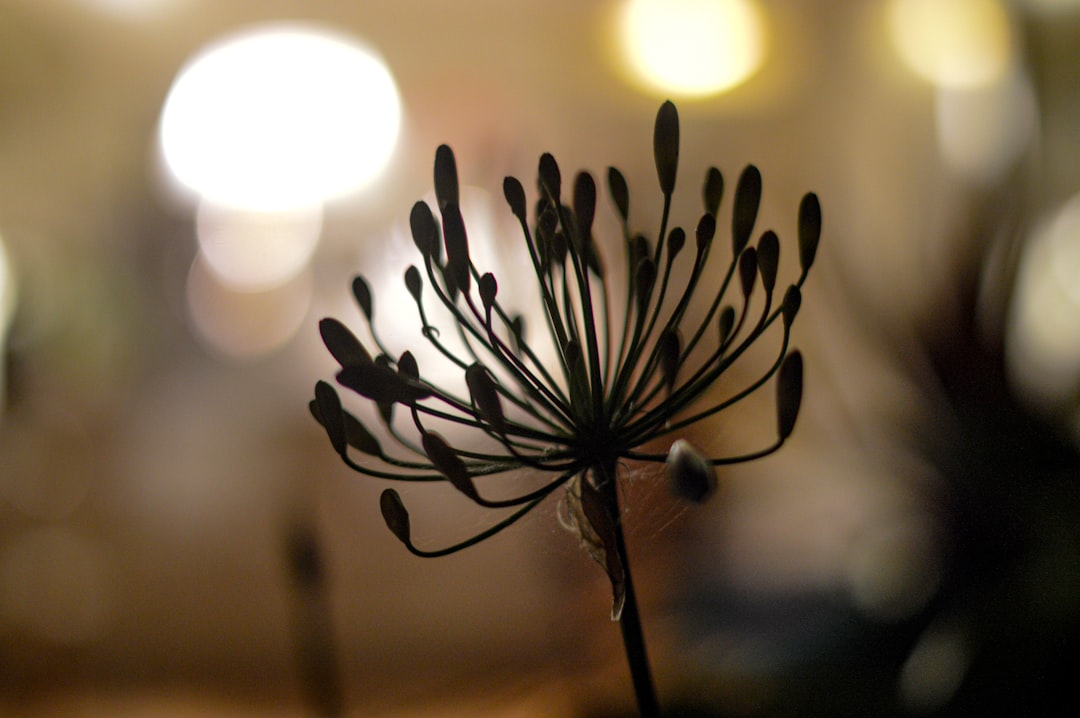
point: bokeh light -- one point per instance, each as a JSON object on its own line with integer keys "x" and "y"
{"x": 983, "y": 132}
{"x": 692, "y": 48}
{"x": 133, "y": 9}
{"x": 280, "y": 117}
{"x": 953, "y": 43}
{"x": 256, "y": 251}
{"x": 1043, "y": 341}
{"x": 242, "y": 326}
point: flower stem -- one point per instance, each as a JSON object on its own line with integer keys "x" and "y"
{"x": 630, "y": 620}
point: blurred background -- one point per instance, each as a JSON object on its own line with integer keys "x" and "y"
{"x": 187, "y": 186}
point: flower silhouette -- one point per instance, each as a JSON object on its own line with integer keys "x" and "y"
{"x": 626, "y": 371}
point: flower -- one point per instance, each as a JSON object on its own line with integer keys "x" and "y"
{"x": 622, "y": 376}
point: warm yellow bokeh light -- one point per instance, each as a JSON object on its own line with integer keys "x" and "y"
{"x": 952, "y": 43}
{"x": 692, "y": 48}
{"x": 280, "y": 117}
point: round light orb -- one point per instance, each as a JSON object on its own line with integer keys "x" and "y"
{"x": 256, "y": 251}
{"x": 243, "y": 326}
{"x": 1043, "y": 331}
{"x": 692, "y": 48}
{"x": 952, "y": 43}
{"x": 280, "y": 117}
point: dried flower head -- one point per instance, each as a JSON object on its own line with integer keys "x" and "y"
{"x": 626, "y": 370}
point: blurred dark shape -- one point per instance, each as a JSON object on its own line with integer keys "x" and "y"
{"x": 312, "y": 628}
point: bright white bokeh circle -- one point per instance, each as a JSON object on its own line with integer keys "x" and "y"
{"x": 280, "y": 117}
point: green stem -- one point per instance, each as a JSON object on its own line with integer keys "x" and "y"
{"x": 630, "y": 620}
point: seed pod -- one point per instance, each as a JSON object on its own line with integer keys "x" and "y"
{"x": 485, "y": 396}
{"x": 488, "y": 288}
{"x": 748, "y": 270}
{"x": 413, "y": 282}
{"x": 457, "y": 246}
{"x": 446, "y": 178}
{"x": 789, "y": 393}
{"x": 620, "y": 192}
{"x": 425, "y": 232}
{"x": 689, "y": 474}
{"x": 330, "y": 415}
{"x": 666, "y": 146}
{"x": 792, "y": 302}
{"x": 768, "y": 257}
{"x": 713, "y": 191}
{"x": 585, "y": 204}
{"x": 515, "y": 197}
{"x": 747, "y": 201}
{"x": 448, "y": 463}
{"x": 550, "y": 178}
{"x": 342, "y": 343}
{"x": 395, "y": 515}
{"x": 809, "y": 230}
{"x": 362, "y": 293}
{"x": 706, "y": 230}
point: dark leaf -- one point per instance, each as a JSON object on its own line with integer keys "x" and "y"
{"x": 789, "y": 393}
{"x": 666, "y": 146}
{"x": 747, "y": 201}
{"x": 362, "y": 292}
{"x": 748, "y": 270}
{"x": 448, "y": 463}
{"x": 394, "y": 514}
{"x": 768, "y": 259}
{"x": 457, "y": 246}
{"x": 515, "y": 197}
{"x": 485, "y": 396}
{"x": 689, "y": 474}
{"x": 413, "y": 282}
{"x": 585, "y": 204}
{"x": 620, "y": 193}
{"x": 809, "y": 230}
{"x": 446, "y": 178}
{"x": 425, "y": 232}
{"x": 713, "y": 191}
{"x": 550, "y": 178}
{"x": 330, "y": 415}
{"x": 342, "y": 343}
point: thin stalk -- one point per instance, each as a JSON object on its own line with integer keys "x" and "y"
{"x": 630, "y": 620}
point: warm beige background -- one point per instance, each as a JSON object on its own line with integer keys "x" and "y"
{"x": 149, "y": 482}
